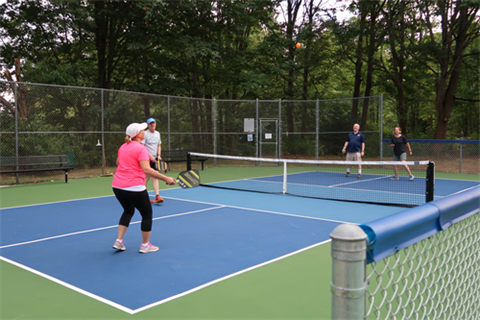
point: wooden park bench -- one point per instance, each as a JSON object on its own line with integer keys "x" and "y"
{"x": 27, "y": 164}
{"x": 169, "y": 156}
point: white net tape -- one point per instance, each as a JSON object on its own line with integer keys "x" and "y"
{"x": 334, "y": 162}
{"x": 437, "y": 278}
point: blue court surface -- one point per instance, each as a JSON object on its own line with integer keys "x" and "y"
{"x": 205, "y": 235}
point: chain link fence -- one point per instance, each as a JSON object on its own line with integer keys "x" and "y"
{"x": 88, "y": 125}
{"x": 449, "y": 155}
{"x": 437, "y": 278}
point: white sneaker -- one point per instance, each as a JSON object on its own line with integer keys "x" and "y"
{"x": 149, "y": 248}
{"x": 395, "y": 178}
{"x": 119, "y": 245}
{"x": 412, "y": 177}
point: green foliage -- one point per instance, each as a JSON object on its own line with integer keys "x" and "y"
{"x": 237, "y": 50}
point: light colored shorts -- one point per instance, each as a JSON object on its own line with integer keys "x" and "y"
{"x": 354, "y": 156}
{"x": 402, "y": 157}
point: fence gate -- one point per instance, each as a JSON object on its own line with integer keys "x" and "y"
{"x": 268, "y": 140}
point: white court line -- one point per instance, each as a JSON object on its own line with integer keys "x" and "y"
{"x": 72, "y": 200}
{"x": 55, "y": 202}
{"x": 69, "y": 286}
{"x": 226, "y": 277}
{"x": 104, "y": 228}
{"x": 259, "y": 210}
{"x": 358, "y": 181}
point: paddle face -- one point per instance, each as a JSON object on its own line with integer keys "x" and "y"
{"x": 161, "y": 165}
{"x": 188, "y": 179}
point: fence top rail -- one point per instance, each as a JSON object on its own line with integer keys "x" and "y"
{"x": 177, "y": 97}
{"x": 438, "y": 141}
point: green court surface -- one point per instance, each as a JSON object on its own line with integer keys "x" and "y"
{"x": 296, "y": 287}
{"x": 293, "y": 288}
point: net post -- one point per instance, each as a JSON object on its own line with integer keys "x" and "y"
{"x": 189, "y": 161}
{"x": 284, "y": 177}
{"x": 349, "y": 251}
{"x": 430, "y": 181}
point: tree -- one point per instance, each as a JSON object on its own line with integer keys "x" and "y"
{"x": 459, "y": 27}
{"x": 21, "y": 103}
{"x": 396, "y": 18}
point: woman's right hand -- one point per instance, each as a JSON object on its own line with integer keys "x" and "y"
{"x": 170, "y": 181}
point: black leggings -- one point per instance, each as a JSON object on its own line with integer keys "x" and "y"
{"x": 131, "y": 200}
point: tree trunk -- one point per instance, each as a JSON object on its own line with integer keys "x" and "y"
{"x": 290, "y": 105}
{"x": 293, "y": 7}
{"x": 447, "y": 87}
{"x": 209, "y": 121}
{"x": 371, "y": 48}
{"x": 368, "y": 89}
{"x": 146, "y": 106}
{"x": 21, "y": 103}
{"x": 358, "y": 63}
{"x": 401, "y": 110}
{"x": 101, "y": 42}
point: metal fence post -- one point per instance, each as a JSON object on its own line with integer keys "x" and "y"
{"x": 214, "y": 131}
{"x": 460, "y": 165}
{"x": 256, "y": 130}
{"x": 103, "y": 132}
{"x": 348, "y": 286}
{"x": 317, "y": 129}
{"x": 279, "y": 133}
{"x": 16, "y": 130}
{"x": 168, "y": 117}
{"x": 381, "y": 127}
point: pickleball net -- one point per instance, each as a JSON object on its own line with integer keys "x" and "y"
{"x": 322, "y": 179}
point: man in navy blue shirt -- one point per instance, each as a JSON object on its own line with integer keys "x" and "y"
{"x": 354, "y": 147}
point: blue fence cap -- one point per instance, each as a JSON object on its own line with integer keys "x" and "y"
{"x": 398, "y": 231}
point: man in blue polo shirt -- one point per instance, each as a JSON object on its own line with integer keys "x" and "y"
{"x": 356, "y": 148}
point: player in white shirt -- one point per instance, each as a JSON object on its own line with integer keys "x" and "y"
{"x": 153, "y": 142}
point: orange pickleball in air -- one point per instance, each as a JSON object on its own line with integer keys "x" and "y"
{"x": 298, "y": 45}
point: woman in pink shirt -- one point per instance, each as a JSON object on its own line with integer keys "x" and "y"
{"x": 133, "y": 163}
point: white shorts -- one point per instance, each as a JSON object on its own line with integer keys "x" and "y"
{"x": 354, "y": 156}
